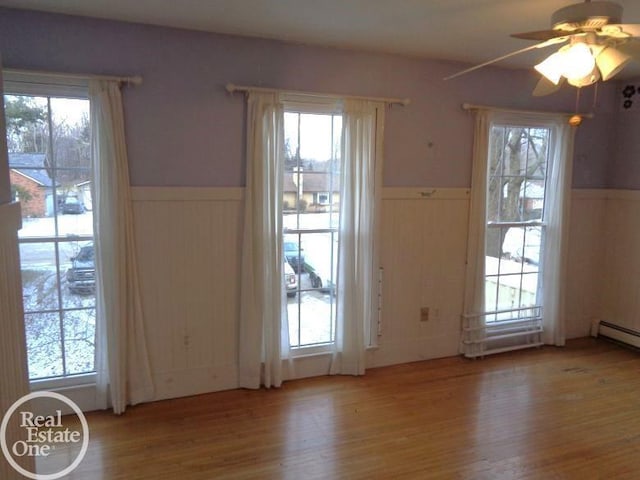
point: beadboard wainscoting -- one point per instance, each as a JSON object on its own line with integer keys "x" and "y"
{"x": 621, "y": 272}
{"x": 424, "y": 241}
{"x": 189, "y": 245}
{"x": 585, "y": 262}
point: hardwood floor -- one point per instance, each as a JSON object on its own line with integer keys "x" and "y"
{"x": 553, "y": 413}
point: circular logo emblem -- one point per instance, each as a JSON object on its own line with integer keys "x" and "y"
{"x": 43, "y": 434}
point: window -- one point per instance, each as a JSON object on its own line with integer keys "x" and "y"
{"x": 516, "y": 195}
{"x": 48, "y": 137}
{"x": 311, "y": 215}
{"x": 322, "y": 198}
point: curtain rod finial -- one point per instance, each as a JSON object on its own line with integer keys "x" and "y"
{"x": 230, "y": 87}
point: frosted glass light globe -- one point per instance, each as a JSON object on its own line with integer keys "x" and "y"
{"x": 578, "y": 62}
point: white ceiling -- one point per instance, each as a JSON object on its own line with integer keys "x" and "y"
{"x": 469, "y": 31}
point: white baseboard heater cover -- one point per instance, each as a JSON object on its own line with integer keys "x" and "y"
{"x": 601, "y": 328}
{"x": 501, "y": 331}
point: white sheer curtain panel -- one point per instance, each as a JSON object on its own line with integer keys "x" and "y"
{"x": 362, "y": 126}
{"x": 264, "y": 336}
{"x": 556, "y": 238}
{"x": 475, "y": 270}
{"x": 122, "y": 362}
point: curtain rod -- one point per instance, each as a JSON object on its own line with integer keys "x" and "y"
{"x": 471, "y": 106}
{"x": 134, "y": 80}
{"x": 231, "y": 88}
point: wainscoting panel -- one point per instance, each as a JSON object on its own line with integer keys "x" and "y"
{"x": 189, "y": 246}
{"x": 621, "y": 273}
{"x": 424, "y": 238}
{"x": 189, "y": 253}
{"x": 586, "y": 261}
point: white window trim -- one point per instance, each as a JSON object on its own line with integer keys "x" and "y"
{"x": 43, "y": 85}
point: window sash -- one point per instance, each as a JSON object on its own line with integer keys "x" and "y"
{"x": 44, "y": 86}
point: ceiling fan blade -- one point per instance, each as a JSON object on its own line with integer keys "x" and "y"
{"x": 547, "y": 43}
{"x": 541, "y": 35}
{"x": 631, "y": 48}
{"x": 622, "y": 30}
{"x": 546, "y": 87}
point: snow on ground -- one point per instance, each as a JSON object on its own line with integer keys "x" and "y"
{"x": 47, "y": 297}
{"x": 52, "y": 311}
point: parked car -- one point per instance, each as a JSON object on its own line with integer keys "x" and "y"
{"x": 81, "y": 277}
{"x": 321, "y": 264}
{"x": 290, "y": 280}
{"x": 522, "y": 244}
{"x": 72, "y": 205}
{"x": 293, "y": 254}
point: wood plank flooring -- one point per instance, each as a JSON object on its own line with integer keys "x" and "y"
{"x": 552, "y": 413}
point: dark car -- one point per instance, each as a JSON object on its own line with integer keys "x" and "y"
{"x": 293, "y": 254}
{"x": 81, "y": 277}
{"x": 72, "y": 205}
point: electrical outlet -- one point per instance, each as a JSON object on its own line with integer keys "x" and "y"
{"x": 424, "y": 314}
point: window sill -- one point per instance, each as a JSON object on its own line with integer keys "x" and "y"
{"x": 87, "y": 379}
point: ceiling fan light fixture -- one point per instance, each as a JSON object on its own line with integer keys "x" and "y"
{"x": 577, "y": 61}
{"x": 551, "y": 67}
{"x": 587, "y": 80}
{"x": 610, "y": 61}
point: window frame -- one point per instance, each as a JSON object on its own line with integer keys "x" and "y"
{"x": 493, "y": 312}
{"x": 50, "y": 87}
{"x": 301, "y": 105}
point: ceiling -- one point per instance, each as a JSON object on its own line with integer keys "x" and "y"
{"x": 468, "y": 31}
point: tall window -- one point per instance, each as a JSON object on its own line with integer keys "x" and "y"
{"x": 311, "y": 215}
{"x": 516, "y": 191}
{"x": 50, "y": 169}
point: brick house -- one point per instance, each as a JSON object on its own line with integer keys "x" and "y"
{"x": 31, "y": 184}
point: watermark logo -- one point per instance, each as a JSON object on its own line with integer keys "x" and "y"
{"x": 42, "y": 435}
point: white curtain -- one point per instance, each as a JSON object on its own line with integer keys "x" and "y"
{"x": 362, "y": 129}
{"x": 475, "y": 268}
{"x": 264, "y": 337}
{"x": 122, "y": 361}
{"x": 556, "y": 237}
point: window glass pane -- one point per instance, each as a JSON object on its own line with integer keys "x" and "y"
{"x": 50, "y": 170}
{"x": 491, "y": 294}
{"x": 78, "y": 272}
{"x": 311, "y": 201}
{"x": 44, "y": 345}
{"x": 492, "y": 245}
{"x": 74, "y": 205}
{"x": 27, "y": 123}
{"x": 294, "y": 252}
{"x": 316, "y": 319}
{"x": 529, "y": 290}
{"x": 494, "y": 193}
{"x": 532, "y": 196}
{"x": 39, "y": 276}
{"x": 315, "y": 138}
{"x": 79, "y": 340}
{"x": 29, "y": 162}
{"x": 321, "y": 258}
{"x": 508, "y": 292}
{"x": 291, "y": 140}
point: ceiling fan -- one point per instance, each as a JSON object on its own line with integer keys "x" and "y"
{"x": 593, "y": 41}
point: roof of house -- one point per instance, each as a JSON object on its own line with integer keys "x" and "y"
{"x": 312, "y": 182}
{"x": 31, "y": 165}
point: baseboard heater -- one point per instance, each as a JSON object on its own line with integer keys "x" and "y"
{"x": 600, "y": 328}
{"x": 501, "y": 331}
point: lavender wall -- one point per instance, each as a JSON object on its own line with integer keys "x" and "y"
{"x": 185, "y": 130}
{"x": 624, "y": 172}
